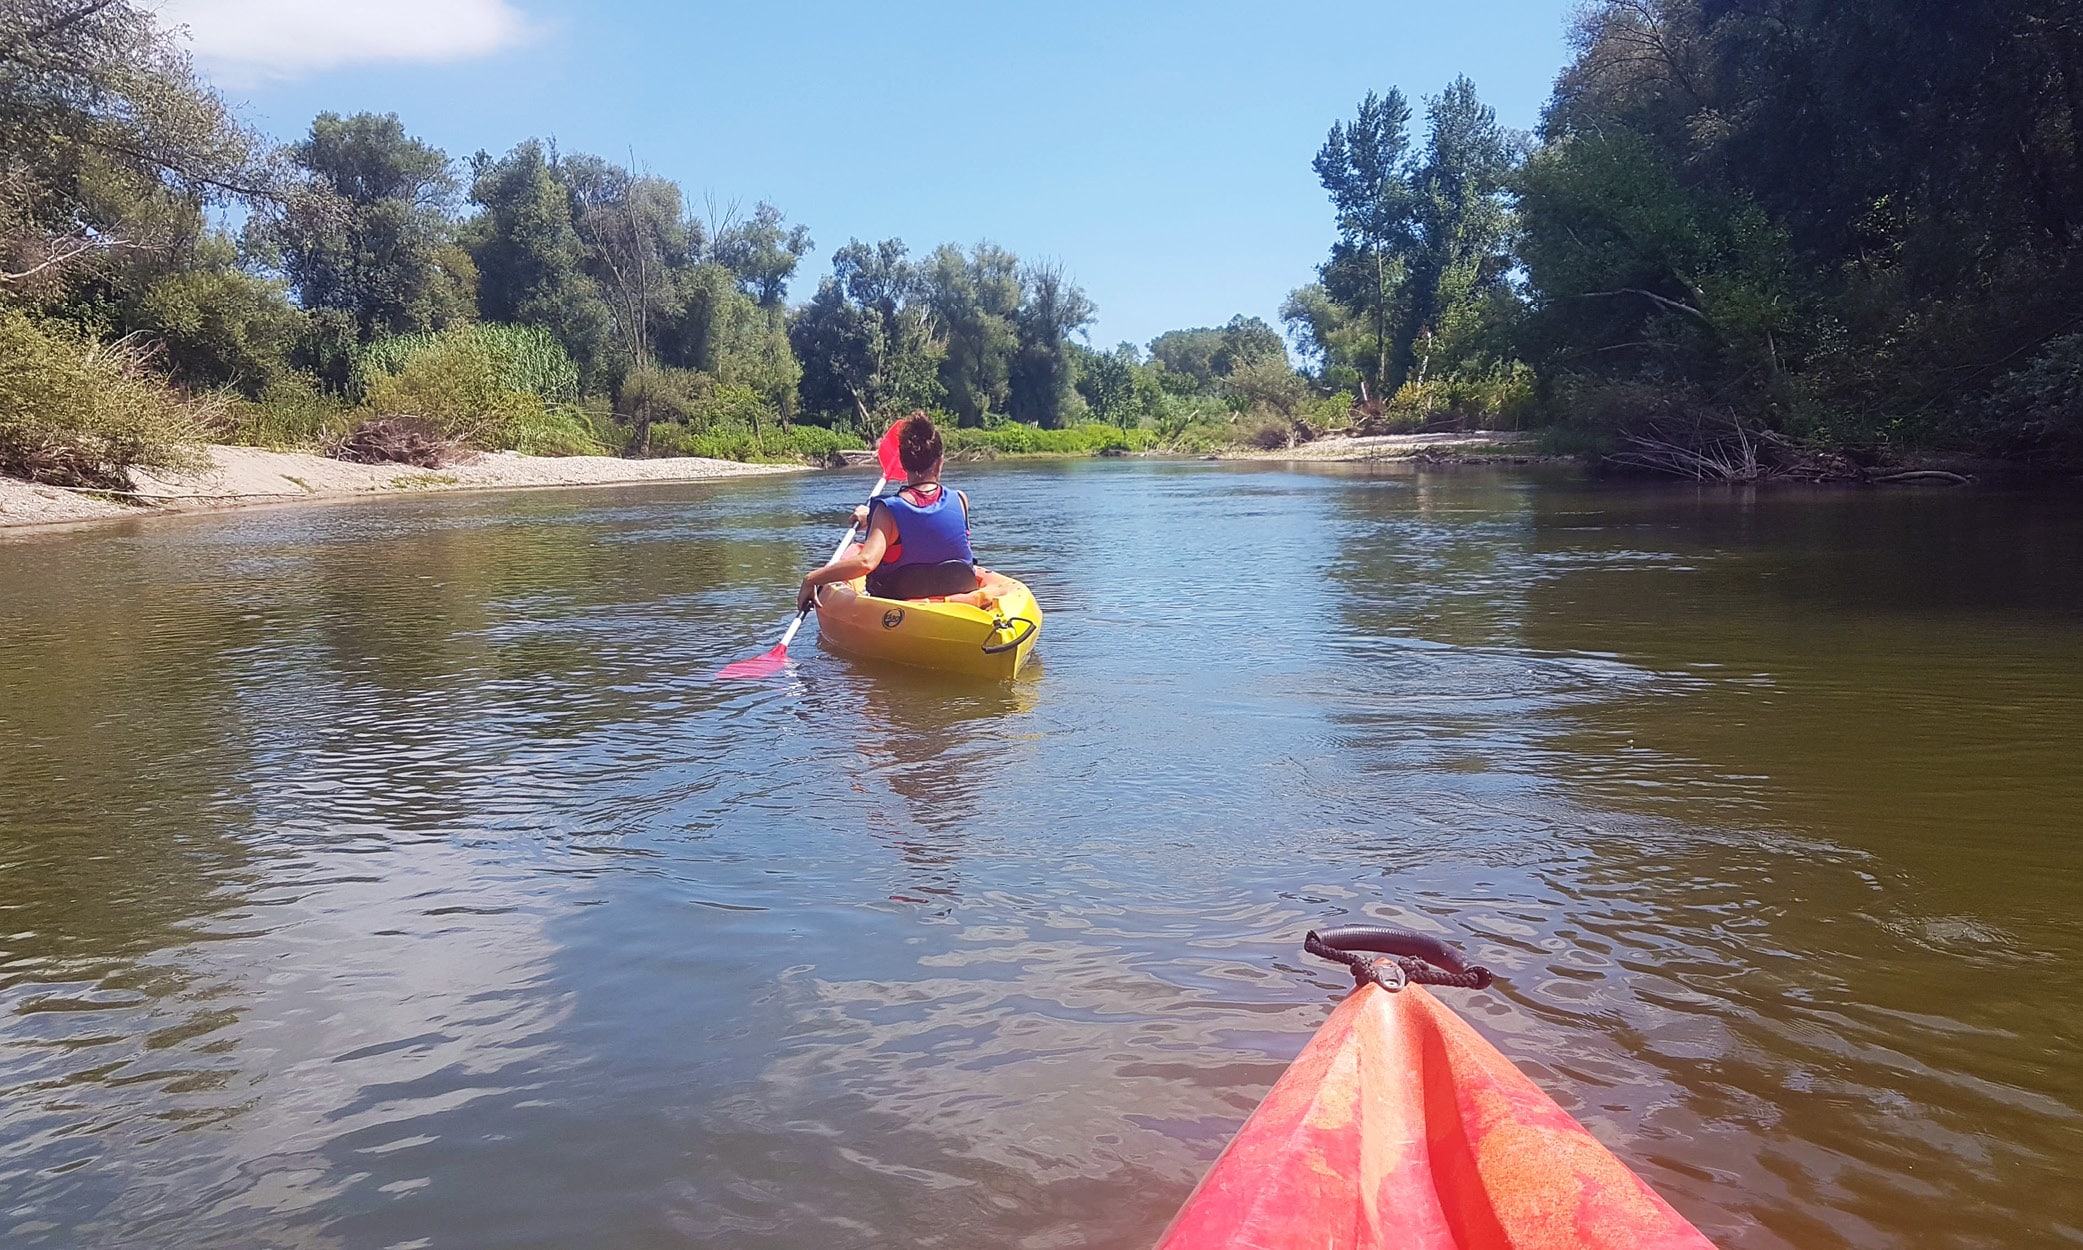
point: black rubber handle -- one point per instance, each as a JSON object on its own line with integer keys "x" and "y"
{"x": 1367, "y": 937}
{"x": 1003, "y": 647}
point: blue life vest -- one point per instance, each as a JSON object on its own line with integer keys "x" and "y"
{"x": 933, "y": 533}
{"x": 931, "y": 556}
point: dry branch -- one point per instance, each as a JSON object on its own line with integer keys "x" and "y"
{"x": 395, "y": 440}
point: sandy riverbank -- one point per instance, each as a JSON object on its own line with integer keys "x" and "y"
{"x": 1486, "y": 444}
{"x": 248, "y": 476}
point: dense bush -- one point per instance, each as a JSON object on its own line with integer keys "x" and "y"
{"x": 291, "y": 413}
{"x": 817, "y": 443}
{"x": 663, "y": 395}
{"x": 1267, "y": 433}
{"x": 686, "y": 412}
{"x": 523, "y": 359}
{"x": 448, "y": 380}
{"x": 1499, "y": 398}
{"x": 554, "y": 430}
{"x": 1267, "y": 385}
{"x": 2036, "y": 413}
{"x": 460, "y": 383}
{"x": 217, "y": 324}
{"x": 74, "y": 412}
{"x": 1015, "y": 439}
{"x": 727, "y": 441}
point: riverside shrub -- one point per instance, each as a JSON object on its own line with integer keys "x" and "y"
{"x": 2036, "y": 413}
{"x": 458, "y": 385}
{"x": 1016, "y": 439}
{"x": 74, "y": 412}
{"x": 525, "y": 359}
{"x": 291, "y": 414}
{"x": 731, "y": 441}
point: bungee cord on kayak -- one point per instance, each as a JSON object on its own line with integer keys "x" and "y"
{"x": 1403, "y": 958}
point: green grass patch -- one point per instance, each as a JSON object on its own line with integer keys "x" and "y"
{"x": 1015, "y": 439}
{"x": 292, "y": 414}
{"x": 769, "y": 444}
{"x": 424, "y": 481}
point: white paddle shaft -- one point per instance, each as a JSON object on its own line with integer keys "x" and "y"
{"x": 837, "y": 551}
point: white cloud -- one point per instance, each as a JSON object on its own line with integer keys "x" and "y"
{"x": 242, "y": 42}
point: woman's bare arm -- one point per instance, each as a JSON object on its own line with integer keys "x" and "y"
{"x": 862, "y": 561}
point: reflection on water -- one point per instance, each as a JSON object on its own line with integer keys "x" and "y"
{"x": 395, "y": 874}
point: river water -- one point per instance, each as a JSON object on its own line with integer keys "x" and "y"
{"x": 394, "y": 874}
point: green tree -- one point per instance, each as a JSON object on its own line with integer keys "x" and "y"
{"x": 215, "y": 323}
{"x": 976, "y": 298}
{"x": 1363, "y": 165}
{"x": 1195, "y": 362}
{"x": 637, "y": 244}
{"x": 841, "y": 345}
{"x": 530, "y": 259}
{"x": 1107, "y": 381}
{"x": 1854, "y": 220}
{"x": 1423, "y": 237}
{"x": 763, "y": 251}
{"x": 1247, "y": 341}
{"x": 365, "y": 228}
{"x": 1185, "y": 359}
{"x": 1040, "y": 378}
{"x": 723, "y": 332}
{"x": 1267, "y": 384}
{"x": 1333, "y": 342}
{"x": 868, "y": 341}
{"x": 1457, "y": 251}
{"x": 112, "y": 144}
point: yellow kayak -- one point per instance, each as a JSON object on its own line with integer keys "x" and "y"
{"x": 991, "y": 641}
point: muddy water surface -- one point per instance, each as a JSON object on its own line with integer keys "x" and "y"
{"x": 394, "y": 875}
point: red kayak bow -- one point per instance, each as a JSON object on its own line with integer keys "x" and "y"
{"x": 1399, "y": 1128}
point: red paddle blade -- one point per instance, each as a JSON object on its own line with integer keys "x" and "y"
{"x": 765, "y": 664}
{"x": 886, "y": 453}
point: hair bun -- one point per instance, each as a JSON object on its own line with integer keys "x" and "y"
{"x": 918, "y": 443}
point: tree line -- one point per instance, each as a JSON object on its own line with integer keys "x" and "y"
{"x": 1745, "y": 237}
{"x": 1741, "y": 237}
{"x": 558, "y": 300}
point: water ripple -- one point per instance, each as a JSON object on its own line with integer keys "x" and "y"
{"x": 395, "y": 875}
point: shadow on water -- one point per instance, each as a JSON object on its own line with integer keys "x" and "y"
{"x": 400, "y": 872}
{"x": 924, "y": 745}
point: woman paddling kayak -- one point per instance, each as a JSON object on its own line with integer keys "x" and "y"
{"x": 918, "y": 538}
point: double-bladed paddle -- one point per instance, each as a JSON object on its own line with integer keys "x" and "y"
{"x": 771, "y": 661}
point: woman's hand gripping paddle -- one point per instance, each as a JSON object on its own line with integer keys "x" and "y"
{"x": 775, "y": 658}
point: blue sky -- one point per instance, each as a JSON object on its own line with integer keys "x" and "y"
{"x": 1158, "y": 151}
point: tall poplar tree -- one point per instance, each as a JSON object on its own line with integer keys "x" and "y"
{"x": 1363, "y": 164}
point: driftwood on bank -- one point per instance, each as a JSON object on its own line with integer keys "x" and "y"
{"x": 1704, "y": 449}
{"x": 1919, "y": 475}
{"x": 395, "y": 440}
{"x": 1724, "y": 449}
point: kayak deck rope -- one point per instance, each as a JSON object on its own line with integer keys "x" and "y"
{"x": 1394, "y": 958}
